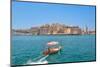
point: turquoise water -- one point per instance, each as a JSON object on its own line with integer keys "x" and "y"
{"x": 75, "y": 48}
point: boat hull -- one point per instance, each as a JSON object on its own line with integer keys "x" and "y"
{"x": 51, "y": 51}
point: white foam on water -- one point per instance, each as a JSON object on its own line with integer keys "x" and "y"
{"x": 43, "y": 62}
{"x": 29, "y": 61}
{"x": 43, "y": 58}
{"x": 39, "y": 61}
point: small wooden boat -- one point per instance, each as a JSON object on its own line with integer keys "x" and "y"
{"x": 54, "y": 48}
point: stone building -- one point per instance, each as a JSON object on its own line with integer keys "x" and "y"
{"x": 34, "y": 30}
{"x": 55, "y": 29}
{"x": 72, "y": 30}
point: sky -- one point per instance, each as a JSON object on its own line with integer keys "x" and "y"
{"x": 30, "y": 14}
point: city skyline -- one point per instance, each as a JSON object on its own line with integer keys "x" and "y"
{"x": 26, "y": 15}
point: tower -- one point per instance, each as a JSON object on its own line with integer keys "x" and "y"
{"x": 86, "y": 30}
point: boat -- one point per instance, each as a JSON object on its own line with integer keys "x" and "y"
{"x": 53, "y": 48}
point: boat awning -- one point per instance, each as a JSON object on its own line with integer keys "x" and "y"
{"x": 52, "y": 43}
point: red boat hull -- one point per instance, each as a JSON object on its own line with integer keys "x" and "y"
{"x": 51, "y": 51}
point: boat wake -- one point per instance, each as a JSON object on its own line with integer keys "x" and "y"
{"x": 38, "y": 60}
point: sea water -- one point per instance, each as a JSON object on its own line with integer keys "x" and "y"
{"x": 75, "y": 48}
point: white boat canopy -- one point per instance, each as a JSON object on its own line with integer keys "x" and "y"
{"x": 52, "y": 43}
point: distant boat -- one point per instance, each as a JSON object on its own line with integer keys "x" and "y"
{"x": 53, "y": 47}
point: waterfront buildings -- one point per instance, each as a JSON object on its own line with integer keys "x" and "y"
{"x": 55, "y": 29}
{"x": 59, "y": 29}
